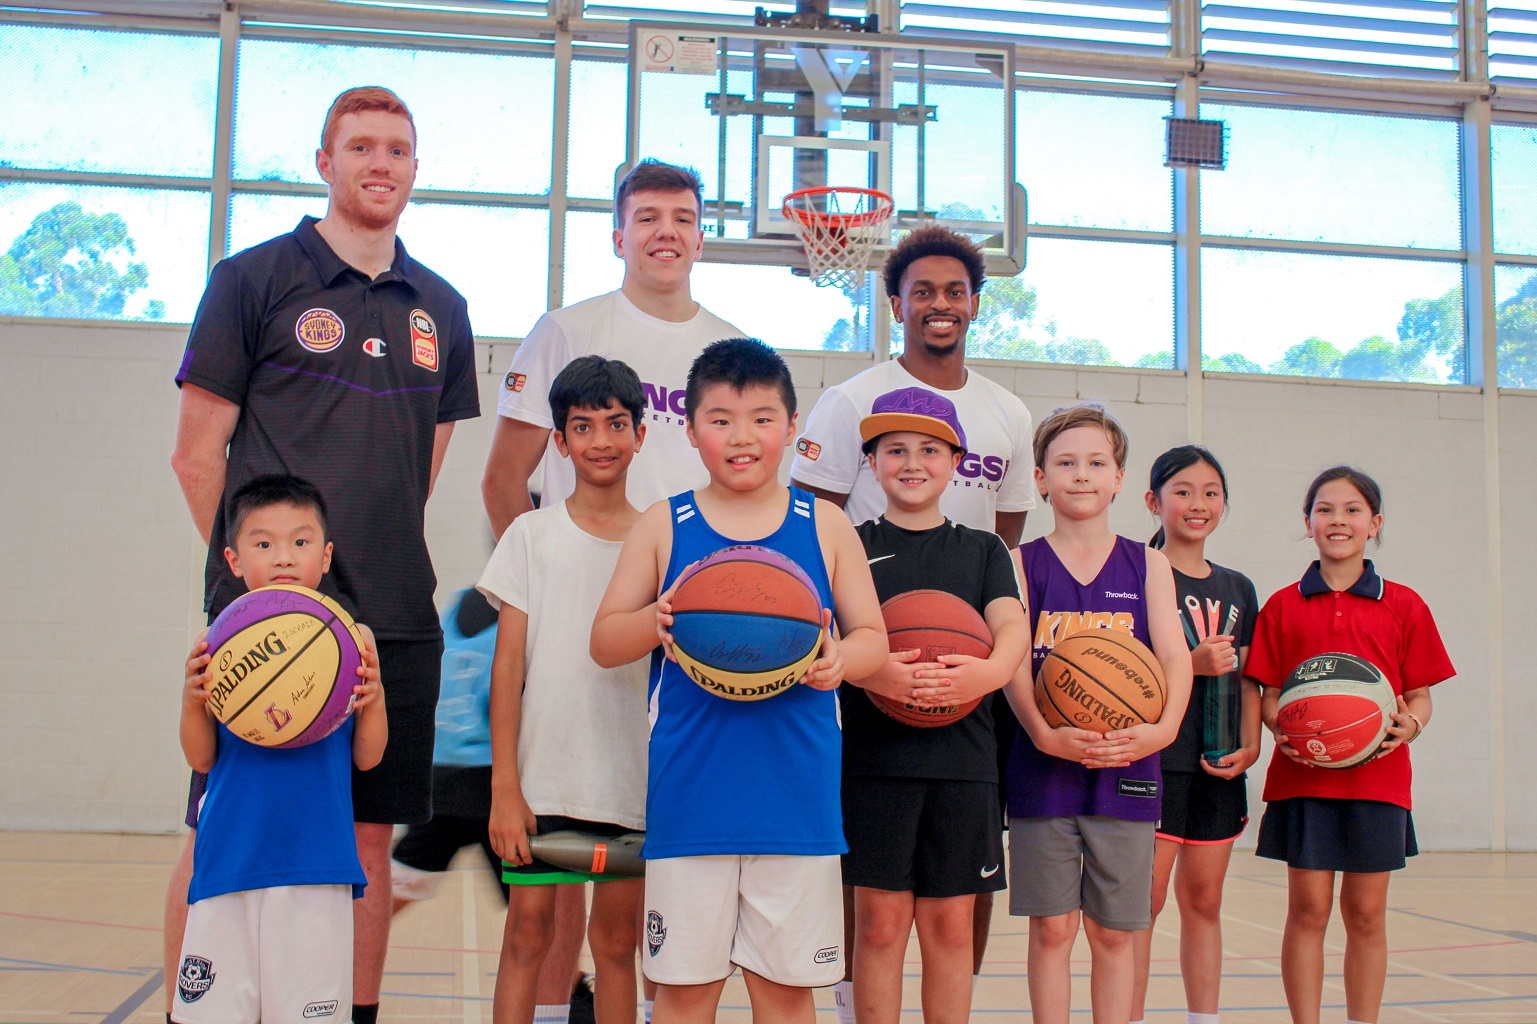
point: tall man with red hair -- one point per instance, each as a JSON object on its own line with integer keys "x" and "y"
{"x": 330, "y": 354}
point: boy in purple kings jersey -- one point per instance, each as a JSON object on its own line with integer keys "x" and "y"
{"x": 1082, "y": 807}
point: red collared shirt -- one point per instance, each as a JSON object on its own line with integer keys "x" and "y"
{"x": 1387, "y": 624}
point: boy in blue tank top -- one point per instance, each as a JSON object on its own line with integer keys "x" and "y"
{"x": 743, "y": 825}
{"x": 275, "y": 869}
{"x": 1083, "y": 806}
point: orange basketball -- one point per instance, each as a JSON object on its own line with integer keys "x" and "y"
{"x": 1100, "y": 680}
{"x": 935, "y": 622}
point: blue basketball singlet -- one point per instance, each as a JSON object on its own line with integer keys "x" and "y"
{"x": 743, "y": 777}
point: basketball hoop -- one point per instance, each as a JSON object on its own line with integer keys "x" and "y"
{"x": 838, "y": 227}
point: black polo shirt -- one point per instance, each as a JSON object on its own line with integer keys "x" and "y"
{"x": 342, "y": 381}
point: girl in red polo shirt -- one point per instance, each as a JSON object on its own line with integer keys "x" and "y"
{"x": 1352, "y": 820}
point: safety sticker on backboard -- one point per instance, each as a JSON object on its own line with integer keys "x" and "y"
{"x": 681, "y": 54}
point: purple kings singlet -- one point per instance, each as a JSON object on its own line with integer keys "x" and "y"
{"x": 1043, "y": 786}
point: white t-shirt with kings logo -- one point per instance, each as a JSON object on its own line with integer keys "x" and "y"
{"x": 660, "y": 351}
{"x": 996, "y": 474}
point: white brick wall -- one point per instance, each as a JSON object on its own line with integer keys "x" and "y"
{"x": 101, "y": 588}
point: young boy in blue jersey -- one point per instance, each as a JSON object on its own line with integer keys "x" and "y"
{"x": 275, "y": 869}
{"x": 744, "y": 828}
{"x": 568, "y": 737}
{"x": 920, "y": 806}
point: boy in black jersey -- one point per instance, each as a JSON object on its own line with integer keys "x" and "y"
{"x": 920, "y": 805}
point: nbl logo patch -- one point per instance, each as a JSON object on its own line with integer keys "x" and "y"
{"x": 424, "y": 340}
{"x": 656, "y": 932}
{"x": 515, "y": 381}
{"x": 810, "y": 449}
{"x": 194, "y": 978}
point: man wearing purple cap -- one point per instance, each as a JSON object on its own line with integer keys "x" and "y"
{"x": 934, "y": 279}
{"x": 920, "y": 806}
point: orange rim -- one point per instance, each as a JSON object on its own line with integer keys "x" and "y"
{"x": 879, "y": 211}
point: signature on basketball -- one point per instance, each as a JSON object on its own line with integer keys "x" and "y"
{"x": 742, "y": 653}
{"x": 1295, "y": 714}
{"x": 742, "y": 590}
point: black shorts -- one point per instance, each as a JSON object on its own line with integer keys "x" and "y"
{"x": 930, "y": 837}
{"x": 1200, "y": 808}
{"x": 398, "y": 790}
{"x": 538, "y": 872}
{"x": 1319, "y": 834}
{"x": 432, "y": 846}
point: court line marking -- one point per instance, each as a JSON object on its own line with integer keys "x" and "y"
{"x": 128, "y": 1006}
{"x": 47, "y": 965}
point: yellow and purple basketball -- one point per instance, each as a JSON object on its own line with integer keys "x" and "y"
{"x": 747, "y": 622}
{"x": 284, "y": 662}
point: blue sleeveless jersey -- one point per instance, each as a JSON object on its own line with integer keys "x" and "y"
{"x": 277, "y": 817}
{"x": 743, "y": 777}
{"x": 463, "y": 736}
{"x": 1043, "y": 786}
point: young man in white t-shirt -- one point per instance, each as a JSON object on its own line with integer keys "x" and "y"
{"x": 651, "y": 322}
{"x": 934, "y": 279}
{"x": 568, "y": 739}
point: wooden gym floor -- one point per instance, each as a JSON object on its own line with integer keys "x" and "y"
{"x": 80, "y": 942}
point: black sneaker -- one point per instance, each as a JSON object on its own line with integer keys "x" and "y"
{"x": 581, "y": 1002}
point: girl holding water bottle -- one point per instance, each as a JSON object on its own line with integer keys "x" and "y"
{"x": 1205, "y": 807}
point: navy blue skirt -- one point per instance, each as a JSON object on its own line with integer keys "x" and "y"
{"x": 1318, "y": 834}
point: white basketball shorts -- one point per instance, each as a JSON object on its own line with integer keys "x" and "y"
{"x": 274, "y": 956}
{"x": 780, "y": 917}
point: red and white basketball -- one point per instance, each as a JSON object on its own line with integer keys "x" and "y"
{"x": 1335, "y": 710}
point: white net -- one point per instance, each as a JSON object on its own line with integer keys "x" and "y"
{"x": 838, "y": 228}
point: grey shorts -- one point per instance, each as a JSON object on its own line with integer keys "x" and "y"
{"x": 1102, "y": 866}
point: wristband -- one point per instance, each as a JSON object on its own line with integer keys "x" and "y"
{"x": 1419, "y": 726}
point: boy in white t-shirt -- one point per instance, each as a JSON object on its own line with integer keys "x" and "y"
{"x": 568, "y": 739}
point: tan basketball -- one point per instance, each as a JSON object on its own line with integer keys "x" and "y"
{"x": 1100, "y": 680}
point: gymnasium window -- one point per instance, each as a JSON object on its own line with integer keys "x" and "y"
{"x": 95, "y": 222}
{"x": 1405, "y": 38}
{"x": 1313, "y": 315}
{"x": 483, "y": 120}
{"x": 89, "y": 252}
{"x": 599, "y": 89}
{"x": 1338, "y": 204}
{"x": 497, "y": 258}
{"x": 1334, "y": 176}
{"x": 1086, "y": 302}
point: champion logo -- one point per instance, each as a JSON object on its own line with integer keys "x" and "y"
{"x": 374, "y": 347}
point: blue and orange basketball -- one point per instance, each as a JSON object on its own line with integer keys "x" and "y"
{"x": 747, "y": 622}
{"x": 284, "y": 662}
